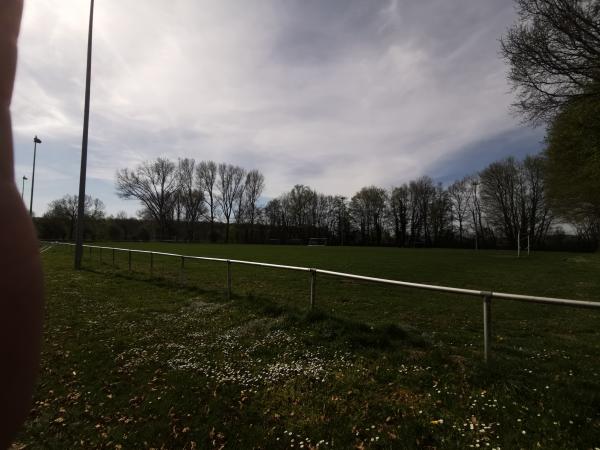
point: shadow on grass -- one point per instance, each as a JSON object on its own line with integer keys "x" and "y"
{"x": 160, "y": 281}
{"x": 323, "y": 326}
{"x": 318, "y": 325}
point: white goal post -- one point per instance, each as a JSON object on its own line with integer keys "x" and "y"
{"x": 524, "y": 244}
{"x": 315, "y": 241}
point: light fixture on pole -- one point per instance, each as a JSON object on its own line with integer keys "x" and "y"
{"x": 84, "y": 144}
{"x": 23, "y": 187}
{"x": 36, "y": 141}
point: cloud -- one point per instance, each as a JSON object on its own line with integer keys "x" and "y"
{"x": 336, "y": 94}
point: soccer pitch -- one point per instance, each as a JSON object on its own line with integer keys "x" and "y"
{"x": 135, "y": 359}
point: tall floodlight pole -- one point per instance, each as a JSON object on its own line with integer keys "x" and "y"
{"x": 23, "y": 187}
{"x": 84, "y": 144}
{"x": 36, "y": 141}
{"x": 475, "y": 183}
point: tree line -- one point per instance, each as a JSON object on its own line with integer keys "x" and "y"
{"x": 218, "y": 202}
{"x": 496, "y": 207}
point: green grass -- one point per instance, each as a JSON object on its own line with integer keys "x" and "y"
{"x": 133, "y": 361}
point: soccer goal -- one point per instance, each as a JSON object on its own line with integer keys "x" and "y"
{"x": 314, "y": 242}
{"x": 523, "y": 245}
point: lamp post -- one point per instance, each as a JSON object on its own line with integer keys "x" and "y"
{"x": 23, "y": 187}
{"x": 475, "y": 183}
{"x": 84, "y": 144}
{"x": 36, "y": 141}
{"x": 341, "y": 218}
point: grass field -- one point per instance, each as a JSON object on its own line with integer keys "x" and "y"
{"x": 133, "y": 361}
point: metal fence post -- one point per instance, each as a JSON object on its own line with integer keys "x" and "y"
{"x": 228, "y": 280}
{"x": 129, "y": 257}
{"x": 181, "y": 274}
{"x": 151, "y": 264}
{"x": 313, "y": 287}
{"x": 487, "y": 326}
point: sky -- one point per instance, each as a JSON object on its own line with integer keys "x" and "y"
{"x": 335, "y": 94}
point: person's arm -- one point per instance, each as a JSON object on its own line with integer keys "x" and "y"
{"x": 21, "y": 284}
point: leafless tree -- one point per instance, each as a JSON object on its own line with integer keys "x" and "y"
{"x": 254, "y": 186}
{"x": 399, "y": 204}
{"x": 273, "y": 213}
{"x": 191, "y": 196}
{"x": 301, "y": 201}
{"x": 460, "y": 193}
{"x": 420, "y": 193}
{"x": 230, "y": 184}
{"x": 368, "y": 209}
{"x": 440, "y": 223}
{"x": 154, "y": 184}
{"x": 206, "y": 178}
{"x": 554, "y": 55}
{"x": 66, "y": 208}
{"x": 512, "y": 196}
{"x": 539, "y": 214}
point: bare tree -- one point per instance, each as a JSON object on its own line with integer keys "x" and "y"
{"x": 368, "y": 209}
{"x": 341, "y": 213}
{"x": 206, "y": 178}
{"x": 154, "y": 184}
{"x": 255, "y": 184}
{"x": 539, "y": 216}
{"x": 301, "y": 201}
{"x": 399, "y": 204}
{"x": 460, "y": 193}
{"x": 273, "y": 213}
{"x": 66, "y": 208}
{"x": 512, "y": 195}
{"x": 191, "y": 197}
{"x": 239, "y": 207}
{"x": 554, "y": 53}
{"x": 439, "y": 215}
{"x": 420, "y": 193}
{"x": 230, "y": 184}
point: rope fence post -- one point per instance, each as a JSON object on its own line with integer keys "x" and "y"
{"x": 228, "y": 280}
{"x": 313, "y": 287}
{"x": 487, "y": 326}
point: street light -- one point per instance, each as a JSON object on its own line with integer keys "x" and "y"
{"x": 84, "y": 144}
{"x": 36, "y": 141}
{"x": 23, "y": 188}
{"x": 475, "y": 183}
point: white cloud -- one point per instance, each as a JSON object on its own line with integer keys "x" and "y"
{"x": 332, "y": 94}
